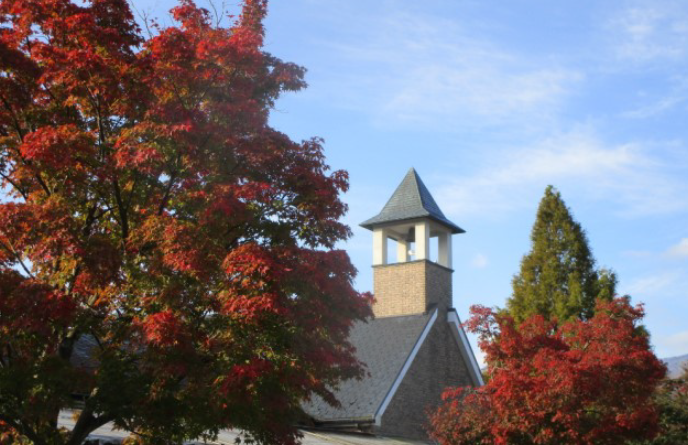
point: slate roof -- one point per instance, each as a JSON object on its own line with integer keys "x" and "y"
{"x": 383, "y": 344}
{"x": 84, "y": 353}
{"x": 410, "y": 200}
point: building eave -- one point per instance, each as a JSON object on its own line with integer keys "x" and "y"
{"x": 465, "y": 348}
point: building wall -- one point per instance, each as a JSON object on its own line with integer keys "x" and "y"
{"x": 410, "y": 288}
{"x": 438, "y": 282}
{"x": 437, "y": 365}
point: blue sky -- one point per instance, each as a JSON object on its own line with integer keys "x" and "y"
{"x": 491, "y": 101}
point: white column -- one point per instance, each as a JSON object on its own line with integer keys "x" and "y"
{"x": 402, "y": 251}
{"x": 379, "y": 246}
{"x": 422, "y": 241}
{"x": 444, "y": 249}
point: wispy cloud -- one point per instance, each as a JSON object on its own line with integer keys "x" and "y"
{"x": 650, "y": 286}
{"x": 430, "y": 71}
{"x": 679, "y": 250}
{"x": 657, "y": 106}
{"x": 436, "y": 94}
{"x": 672, "y": 345}
{"x": 679, "y": 339}
{"x": 660, "y": 103}
{"x": 675, "y": 251}
{"x": 650, "y": 31}
{"x": 628, "y": 177}
{"x": 479, "y": 261}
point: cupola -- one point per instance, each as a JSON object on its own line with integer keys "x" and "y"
{"x": 411, "y": 282}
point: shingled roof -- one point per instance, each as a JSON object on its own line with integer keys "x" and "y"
{"x": 411, "y": 200}
{"x": 384, "y": 345}
{"x": 84, "y": 353}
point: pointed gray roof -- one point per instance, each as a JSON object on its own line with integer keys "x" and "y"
{"x": 411, "y": 200}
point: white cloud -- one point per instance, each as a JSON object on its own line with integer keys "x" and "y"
{"x": 657, "y": 107}
{"x": 427, "y": 70}
{"x": 479, "y": 261}
{"x": 650, "y": 31}
{"x": 660, "y": 103}
{"x": 638, "y": 253}
{"x": 678, "y": 341}
{"x": 651, "y": 286}
{"x": 672, "y": 345}
{"x": 493, "y": 94}
{"x": 680, "y": 249}
{"x": 627, "y": 177}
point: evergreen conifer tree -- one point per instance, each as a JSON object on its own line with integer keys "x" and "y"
{"x": 558, "y": 277}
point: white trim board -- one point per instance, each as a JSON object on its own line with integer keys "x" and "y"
{"x": 466, "y": 350}
{"x": 404, "y": 370}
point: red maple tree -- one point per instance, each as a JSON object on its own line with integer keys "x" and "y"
{"x": 582, "y": 382}
{"x": 152, "y": 213}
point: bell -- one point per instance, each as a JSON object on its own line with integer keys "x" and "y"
{"x": 411, "y": 235}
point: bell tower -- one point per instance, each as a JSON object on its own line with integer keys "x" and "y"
{"x": 411, "y": 282}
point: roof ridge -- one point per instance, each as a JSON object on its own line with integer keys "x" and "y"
{"x": 426, "y": 197}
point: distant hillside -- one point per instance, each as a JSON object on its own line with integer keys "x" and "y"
{"x": 675, "y": 365}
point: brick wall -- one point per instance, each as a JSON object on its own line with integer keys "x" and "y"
{"x": 437, "y": 365}
{"x": 438, "y": 285}
{"x": 410, "y": 288}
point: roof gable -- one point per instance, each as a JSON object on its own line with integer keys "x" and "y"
{"x": 411, "y": 200}
{"x": 384, "y": 345}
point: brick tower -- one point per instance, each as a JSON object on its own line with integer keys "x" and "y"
{"x": 413, "y": 284}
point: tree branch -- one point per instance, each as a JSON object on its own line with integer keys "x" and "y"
{"x": 166, "y": 196}
{"x": 122, "y": 211}
{"x": 15, "y": 121}
{"x": 17, "y": 258}
{"x": 15, "y": 185}
{"x": 85, "y": 425}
